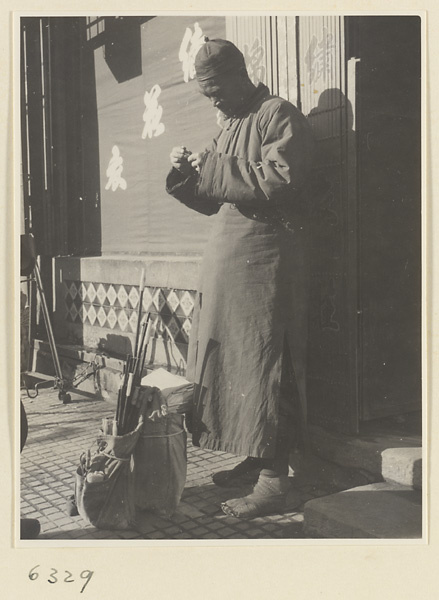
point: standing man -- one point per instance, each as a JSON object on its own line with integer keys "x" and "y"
{"x": 248, "y": 338}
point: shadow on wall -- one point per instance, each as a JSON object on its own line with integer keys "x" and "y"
{"x": 161, "y": 350}
{"x": 332, "y": 124}
{"x": 123, "y": 47}
{"x": 116, "y": 345}
{"x": 334, "y": 178}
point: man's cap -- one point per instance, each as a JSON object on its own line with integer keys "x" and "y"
{"x": 217, "y": 57}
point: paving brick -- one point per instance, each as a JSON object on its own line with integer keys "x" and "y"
{"x": 254, "y": 532}
{"x": 216, "y": 525}
{"x": 271, "y": 526}
{"x": 129, "y": 535}
{"x": 212, "y": 535}
{"x": 226, "y": 531}
{"x": 84, "y": 533}
{"x": 57, "y": 437}
{"x": 76, "y": 534}
{"x": 101, "y": 534}
{"x": 51, "y": 511}
{"x": 54, "y": 497}
{"x": 147, "y": 528}
{"x": 40, "y": 502}
{"x": 179, "y": 518}
{"x": 29, "y": 496}
{"x": 27, "y": 510}
{"x": 156, "y": 535}
{"x": 199, "y": 531}
{"x": 61, "y": 502}
{"x": 241, "y": 525}
{"x": 42, "y": 489}
{"x": 43, "y": 520}
{"x": 191, "y": 512}
{"x": 171, "y": 531}
{"x": 63, "y": 521}
{"x": 48, "y": 526}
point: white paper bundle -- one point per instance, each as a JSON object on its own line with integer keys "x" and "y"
{"x": 176, "y": 390}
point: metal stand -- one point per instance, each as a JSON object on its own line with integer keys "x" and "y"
{"x": 58, "y": 381}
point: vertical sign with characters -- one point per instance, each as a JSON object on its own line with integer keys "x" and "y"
{"x": 191, "y": 43}
{"x": 319, "y": 58}
{"x": 153, "y": 114}
{"x": 114, "y": 171}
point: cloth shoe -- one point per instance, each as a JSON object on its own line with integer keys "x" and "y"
{"x": 245, "y": 472}
{"x": 268, "y": 497}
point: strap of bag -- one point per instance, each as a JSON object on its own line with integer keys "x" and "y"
{"x": 115, "y": 457}
{"x": 166, "y": 435}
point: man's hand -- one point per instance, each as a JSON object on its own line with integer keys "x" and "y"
{"x": 195, "y": 160}
{"x": 179, "y": 159}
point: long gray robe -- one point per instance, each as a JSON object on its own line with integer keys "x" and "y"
{"x": 252, "y": 295}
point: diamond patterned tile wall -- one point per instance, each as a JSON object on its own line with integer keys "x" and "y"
{"x": 115, "y": 306}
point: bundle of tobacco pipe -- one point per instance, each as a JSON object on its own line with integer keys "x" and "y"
{"x": 129, "y": 403}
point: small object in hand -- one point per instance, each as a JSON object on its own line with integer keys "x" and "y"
{"x": 186, "y": 154}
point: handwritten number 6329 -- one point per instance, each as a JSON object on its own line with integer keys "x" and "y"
{"x": 54, "y": 576}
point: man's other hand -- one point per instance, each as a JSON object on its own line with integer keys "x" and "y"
{"x": 179, "y": 159}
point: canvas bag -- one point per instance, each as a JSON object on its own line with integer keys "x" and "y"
{"x": 109, "y": 503}
{"x": 160, "y": 463}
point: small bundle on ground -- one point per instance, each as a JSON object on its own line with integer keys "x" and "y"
{"x": 104, "y": 486}
{"x": 140, "y": 462}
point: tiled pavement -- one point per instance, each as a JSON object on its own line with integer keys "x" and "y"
{"x": 59, "y": 433}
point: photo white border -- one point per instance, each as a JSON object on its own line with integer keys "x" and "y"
{"x": 261, "y": 550}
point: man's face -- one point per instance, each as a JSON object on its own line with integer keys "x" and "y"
{"x": 225, "y": 93}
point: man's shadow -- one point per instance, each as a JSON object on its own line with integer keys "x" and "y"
{"x": 332, "y": 124}
{"x": 332, "y": 204}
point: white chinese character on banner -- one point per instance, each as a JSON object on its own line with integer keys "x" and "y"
{"x": 254, "y": 58}
{"x": 114, "y": 172}
{"x": 153, "y": 113}
{"x": 320, "y": 56}
{"x": 192, "y": 41}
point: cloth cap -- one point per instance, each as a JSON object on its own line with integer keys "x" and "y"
{"x": 217, "y": 57}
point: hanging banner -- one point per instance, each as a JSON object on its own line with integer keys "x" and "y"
{"x": 140, "y": 120}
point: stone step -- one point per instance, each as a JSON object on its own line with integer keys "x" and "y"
{"x": 364, "y": 451}
{"x": 403, "y": 466}
{"x": 379, "y": 510}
